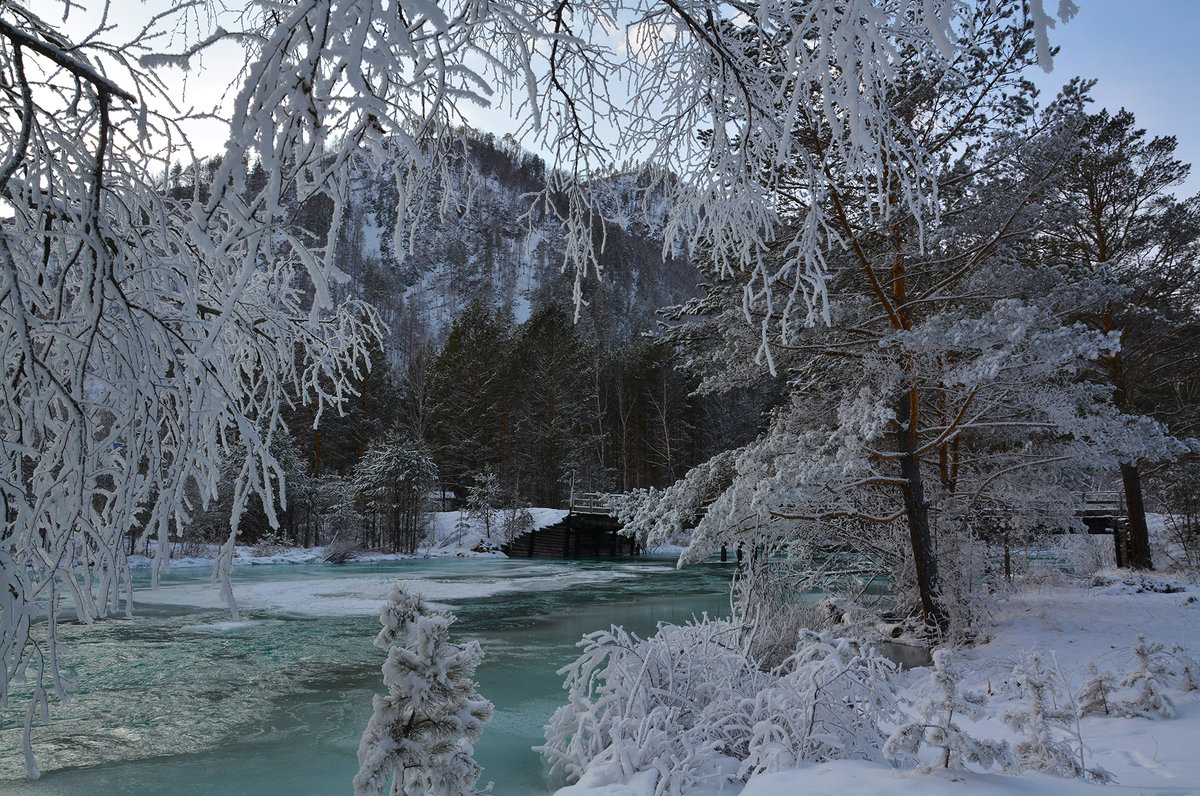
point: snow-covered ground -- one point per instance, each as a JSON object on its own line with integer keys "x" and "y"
{"x": 1095, "y": 620}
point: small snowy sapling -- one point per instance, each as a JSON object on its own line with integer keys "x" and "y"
{"x": 1150, "y": 679}
{"x": 1051, "y": 732}
{"x": 1187, "y": 667}
{"x": 937, "y": 725}
{"x": 419, "y": 740}
{"x": 1096, "y": 695}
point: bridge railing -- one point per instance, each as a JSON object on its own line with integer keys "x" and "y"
{"x": 593, "y": 502}
{"x": 1102, "y": 504}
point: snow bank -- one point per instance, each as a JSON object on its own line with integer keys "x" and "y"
{"x": 1095, "y": 621}
{"x": 448, "y": 537}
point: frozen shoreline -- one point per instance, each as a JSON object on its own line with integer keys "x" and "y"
{"x": 1070, "y": 624}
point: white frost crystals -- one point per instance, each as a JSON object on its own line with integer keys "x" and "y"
{"x": 419, "y": 739}
{"x": 142, "y": 337}
{"x": 691, "y": 704}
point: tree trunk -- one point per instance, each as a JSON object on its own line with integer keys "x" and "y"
{"x": 1139, "y": 534}
{"x": 917, "y": 511}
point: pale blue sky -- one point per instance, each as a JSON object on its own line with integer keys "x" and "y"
{"x": 1146, "y": 55}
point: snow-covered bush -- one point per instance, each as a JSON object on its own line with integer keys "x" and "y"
{"x": 1096, "y": 695}
{"x": 269, "y": 544}
{"x": 515, "y": 519}
{"x": 636, "y": 704}
{"x": 419, "y": 739}
{"x": 691, "y": 703}
{"x": 826, "y": 703}
{"x": 1186, "y": 667}
{"x": 1151, "y": 681}
{"x": 1051, "y": 742}
{"x": 938, "y": 727}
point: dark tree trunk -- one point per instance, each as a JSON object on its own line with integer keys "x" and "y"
{"x": 1139, "y": 534}
{"x": 917, "y": 511}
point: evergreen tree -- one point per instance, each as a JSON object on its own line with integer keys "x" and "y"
{"x": 554, "y": 408}
{"x": 470, "y": 392}
{"x": 392, "y": 483}
{"x": 419, "y": 739}
{"x": 1117, "y": 220}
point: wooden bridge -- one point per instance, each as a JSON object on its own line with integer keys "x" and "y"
{"x": 1104, "y": 512}
{"x": 588, "y": 531}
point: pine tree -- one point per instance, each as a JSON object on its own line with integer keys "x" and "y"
{"x": 1151, "y": 680}
{"x": 552, "y": 413}
{"x": 419, "y": 739}
{"x": 1050, "y": 732}
{"x": 392, "y": 484}
{"x": 938, "y": 726}
{"x": 481, "y": 497}
{"x": 1096, "y": 695}
{"x": 470, "y": 393}
{"x": 1119, "y": 221}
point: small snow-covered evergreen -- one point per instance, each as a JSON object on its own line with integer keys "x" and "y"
{"x": 1096, "y": 695}
{"x": 481, "y": 496}
{"x": 1187, "y": 667}
{"x": 938, "y": 726}
{"x": 1151, "y": 680}
{"x": 419, "y": 739}
{"x": 1050, "y": 731}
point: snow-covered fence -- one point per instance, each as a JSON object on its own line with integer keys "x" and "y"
{"x": 594, "y": 502}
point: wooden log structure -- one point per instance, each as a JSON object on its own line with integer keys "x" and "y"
{"x": 578, "y": 535}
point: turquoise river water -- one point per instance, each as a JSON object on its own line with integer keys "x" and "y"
{"x": 179, "y": 700}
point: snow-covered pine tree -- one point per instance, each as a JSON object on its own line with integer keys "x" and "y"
{"x": 938, "y": 727}
{"x": 1186, "y": 667}
{"x": 1123, "y": 222}
{"x": 1096, "y": 695}
{"x": 1051, "y": 732}
{"x": 419, "y": 739}
{"x": 483, "y": 493}
{"x": 1151, "y": 680}
{"x": 392, "y": 483}
{"x": 946, "y": 376}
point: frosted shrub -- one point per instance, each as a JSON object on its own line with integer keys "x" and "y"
{"x": 1187, "y": 667}
{"x": 515, "y": 520}
{"x": 419, "y": 739}
{"x": 691, "y": 704}
{"x": 1150, "y": 680}
{"x": 825, "y": 704}
{"x": 268, "y": 545}
{"x": 1096, "y": 695}
{"x": 938, "y": 726}
{"x": 636, "y": 704}
{"x": 1051, "y": 732}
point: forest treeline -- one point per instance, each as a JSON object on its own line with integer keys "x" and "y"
{"x": 502, "y": 414}
{"x": 485, "y": 386}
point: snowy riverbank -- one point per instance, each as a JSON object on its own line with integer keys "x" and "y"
{"x": 447, "y": 538}
{"x": 1070, "y": 624}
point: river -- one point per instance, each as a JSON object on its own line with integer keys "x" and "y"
{"x": 179, "y": 700}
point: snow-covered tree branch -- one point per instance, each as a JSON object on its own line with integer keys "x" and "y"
{"x": 142, "y": 336}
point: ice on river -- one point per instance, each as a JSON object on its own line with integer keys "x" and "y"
{"x": 221, "y": 628}
{"x": 335, "y": 595}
